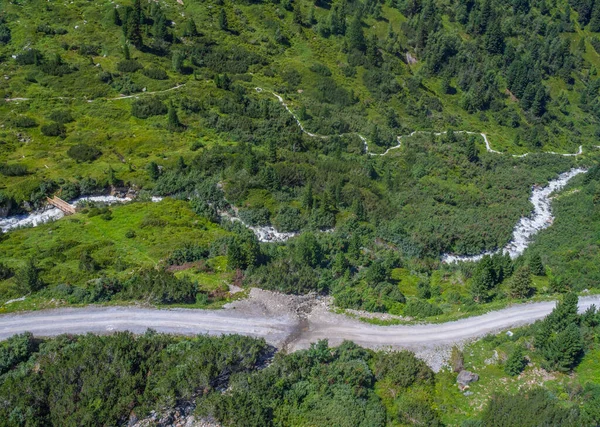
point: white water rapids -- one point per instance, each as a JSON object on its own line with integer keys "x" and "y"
{"x": 528, "y": 226}
{"x": 43, "y": 216}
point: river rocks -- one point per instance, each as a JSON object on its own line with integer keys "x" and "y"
{"x": 465, "y": 378}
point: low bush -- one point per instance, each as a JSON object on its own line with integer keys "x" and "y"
{"x": 418, "y": 308}
{"x": 54, "y": 129}
{"x": 155, "y": 73}
{"x": 160, "y": 287}
{"x": 143, "y": 108}
{"x": 25, "y": 122}
{"x": 61, "y": 116}
{"x": 84, "y": 153}
{"x": 13, "y": 170}
{"x": 129, "y": 66}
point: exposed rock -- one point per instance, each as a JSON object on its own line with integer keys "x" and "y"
{"x": 466, "y": 377}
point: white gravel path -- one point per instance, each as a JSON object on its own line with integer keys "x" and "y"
{"x": 284, "y": 321}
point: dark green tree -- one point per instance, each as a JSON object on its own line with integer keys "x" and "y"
{"x": 153, "y": 171}
{"x": 516, "y": 362}
{"x": 28, "y": 277}
{"x": 134, "y": 25}
{"x": 356, "y": 36}
{"x": 173, "y": 123}
{"x": 190, "y": 29}
{"x": 520, "y": 283}
{"x": 536, "y": 266}
{"x": 595, "y": 20}
{"x": 116, "y": 18}
{"x": 223, "y": 24}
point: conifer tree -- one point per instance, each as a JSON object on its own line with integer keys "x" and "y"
{"x": 173, "y": 124}
{"x": 223, "y": 24}
{"x": 190, "y": 29}
{"x": 520, "y": 283}
{"x": 536, "y": 266}
{"x": 153, "y": 171}
{"x": 516, "y": 362}
{"x": 356, "y": 36}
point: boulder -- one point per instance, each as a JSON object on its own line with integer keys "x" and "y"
{"x": 465, "y": 378}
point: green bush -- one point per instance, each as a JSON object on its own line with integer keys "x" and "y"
{"x": 61, "y": 116}
{"x": 419, "y": 309}
{"x": 54, "y": 129}
{"x": 5, "y": 271}
{"x": 143, "y": 108}
{"x": 155, "y": 73}
{"x": 83, "y": 153}
{"x": 25, "y": 122}
{"x": 160, "y": 287}
{"x": 129, "y": 66}
{"x": 13, "y": 170}
{"x": 89, "y": 50}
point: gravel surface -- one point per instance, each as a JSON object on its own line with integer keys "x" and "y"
{"x": 287, "y": 322}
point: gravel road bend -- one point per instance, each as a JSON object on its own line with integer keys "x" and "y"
{"x": 284, "y": 321}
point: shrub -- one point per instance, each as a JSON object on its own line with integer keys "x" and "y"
{"x": 143, "y": 108}
{"x": 129, "y": 66}
{"x": 89, "y": 50}
{"x": 15, "y": 350}
{"x": 5, "y": 35}
{"x": 61, "y": 116}
{"x": 83, "y": 153}
{"x": 155, "y": 73}
{"x": 289, "y": 219}
{"x": 257, "y": 216}
{"x": 13, "y": 170}
{"x": 516, "y": 362}
{"x": 160, "y": 287}
{"x": 418, "y": 308}
{"x": 6, "y": 272}
{"x": 402, "y": 369}
{"x": 30, "y": 57}
{"x": 54, "y": 129}
{"x": 320, "y": 69}
{"x": 25, "y": 122}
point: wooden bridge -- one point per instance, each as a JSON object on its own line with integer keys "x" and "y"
{"x": 62, "y": 205}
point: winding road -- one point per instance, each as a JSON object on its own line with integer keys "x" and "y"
{"x": 284, "y": 321}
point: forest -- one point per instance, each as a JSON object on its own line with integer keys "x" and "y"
{"x": 380, "y": 134}
{"x": 112, "y": 380}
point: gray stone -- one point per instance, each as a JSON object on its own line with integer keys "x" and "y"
{"x": 465, "y": 377}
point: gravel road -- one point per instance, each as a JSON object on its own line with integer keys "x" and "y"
{"x": 287, "y": 322}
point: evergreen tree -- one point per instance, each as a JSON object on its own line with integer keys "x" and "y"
{"x": 28, "y": 278}
{"x": 308, "y": 197}
{"x": 190, "y": 29}
{"x": 173, "y": 123}
{"x": 520, "y": 283}
{"x": 153, "y": 171}
{"x": 374, "y": 57}
{"x": 595, "y": 20}
{"x": 356, "y": 36}
{"x": 116, "y": 18}
{"x": 126, "y": 53}
{"x": 536, "y": 266}
{"x": 134, "y": 25}
{"x": 223, "y": 24}
{"x": 516, "y": 362}
{"x": 358, "y": 209}
{"x": 563, "y": 351}
{"x": 494, "y": 39}
{"x": 181, "y": 166}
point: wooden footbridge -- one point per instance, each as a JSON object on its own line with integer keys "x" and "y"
{"x": 59, "y": 203}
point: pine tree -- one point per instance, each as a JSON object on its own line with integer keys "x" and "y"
{"x": 190, "y": 29}
{"x": 126, "y": 52}
{"x": 374, "y": 57}
{"x": 223, "y": 24}
{"x": 173, "y": 124}
{"x": 308, "y": 197}
{"x": 116, "y": 18}
{"x": 153, "y": 171}
{"x": 358, "y": 209}
{"x": 356, "y": 36}
{"x": 181, "y": 166}
{"x": 28, "y": 278}
{"x": 536, "y": 266}
{"x": 516, "y": 362}
{"x": 595, "y": 20}
{"x": 134, "y": 30}
{"x": 520, "y": 283}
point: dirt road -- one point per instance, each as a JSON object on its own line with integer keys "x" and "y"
{"x": 284, "y": 321}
